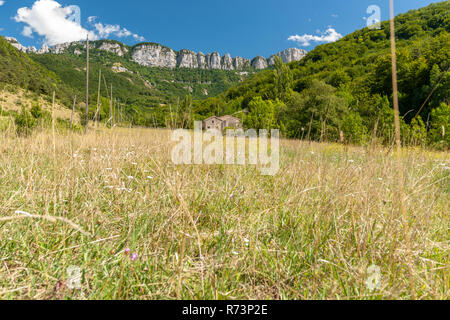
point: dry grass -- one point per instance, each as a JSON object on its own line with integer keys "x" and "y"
{"x": 15, "y": 100}
{"x": 216, "y": 232}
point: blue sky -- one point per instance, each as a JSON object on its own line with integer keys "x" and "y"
{"x": 244, "y": 28}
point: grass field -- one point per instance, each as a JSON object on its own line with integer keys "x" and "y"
{"x": 138, "y": 227}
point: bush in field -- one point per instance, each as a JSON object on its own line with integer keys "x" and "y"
{"x": 440, "y": 119}
{"x": 354, "y": 129}
{"x": 25, "y": 122}
{"x": 4, "y": 123}
{"x": 418, "y": 132}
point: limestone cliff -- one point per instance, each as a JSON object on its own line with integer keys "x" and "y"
{"x": 156, "y": 55}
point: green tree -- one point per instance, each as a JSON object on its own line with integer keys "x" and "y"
{"x": 354, "y": 129}
{"x": 262, "y": 114}
{"x": 283, "y": 79}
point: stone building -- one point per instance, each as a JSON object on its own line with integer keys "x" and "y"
{"x": 221, "y": 123}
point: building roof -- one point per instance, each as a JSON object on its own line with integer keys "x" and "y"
{"x": 223, "y": 118}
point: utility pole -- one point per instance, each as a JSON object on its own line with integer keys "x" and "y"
{"x": 87, "y": 84}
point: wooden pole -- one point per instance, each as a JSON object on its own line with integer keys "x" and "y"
{"x": 53, "y": 125}
{"x": 400, "y": 174}
{"x": 87, "y": 84}
{"x": 98, "y": 97}
{"x": 394, "y": 80}
{"x": 111, "y": 108}
{"x": 73, "y": 111}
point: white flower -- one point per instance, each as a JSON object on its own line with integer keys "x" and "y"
{"x": 351, "y": 161}
{"x": 131, "y": 177}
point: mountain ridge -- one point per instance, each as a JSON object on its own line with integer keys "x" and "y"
{"x": 152, "y": 54}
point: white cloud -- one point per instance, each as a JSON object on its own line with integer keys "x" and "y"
{"x": 335, "y": 15}
{"x": 326, "y": 37}
{"x": 27, "y": 32}
{"x": 105, "y": 30}
{"x": 52, "y": 21}
{"x": 58, "y": 24}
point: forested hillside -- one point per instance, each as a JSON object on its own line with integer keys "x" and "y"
{"x": 346, "y": 86}
{"x": 148, "y": 96}
{"x": 144, "y": 91}
{"x": 18, "y": 70}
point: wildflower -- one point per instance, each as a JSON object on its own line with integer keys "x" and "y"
{"x": 134, "y": 257}
{"x": 351, "y": 161}
{"x": 127, "y": 251}
{"x": 131, "y": 177}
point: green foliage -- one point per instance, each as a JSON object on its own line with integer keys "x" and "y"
{"x": 25, "y": 122}
{"x": 262, "y": 114}
{"x": 18, "y": 70}
{"x": 353, "y": 129}
{"x": 283, "y": 79}
{"x": 439, "y": 132}
{"x": 418, "y": 132}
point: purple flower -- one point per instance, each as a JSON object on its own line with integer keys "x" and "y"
{"x": 134, "y": 257}
{"x": 127, "y": 251}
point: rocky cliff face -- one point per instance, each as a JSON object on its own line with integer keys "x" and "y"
{"x": 114, "y": 48}
{"x": 156, "y": 55}
{"x": 289, "y": 55}
{"x": 259, "y": 63}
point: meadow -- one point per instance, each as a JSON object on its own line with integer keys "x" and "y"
{"x": 112, "y": 204}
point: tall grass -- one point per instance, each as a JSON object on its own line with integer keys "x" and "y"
{"x": 216, "y": 232}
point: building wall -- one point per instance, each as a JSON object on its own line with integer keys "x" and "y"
{"x": 212, "y": 123}
{"x": 221, "y": 124}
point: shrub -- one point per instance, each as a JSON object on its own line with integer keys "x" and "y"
{"x": 25, "y": 122}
